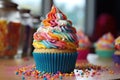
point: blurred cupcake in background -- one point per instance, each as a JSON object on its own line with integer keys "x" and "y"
{"x": 104, "y": 47}
{"x": 116, "y": 55}
{"x": 84, "y": 45}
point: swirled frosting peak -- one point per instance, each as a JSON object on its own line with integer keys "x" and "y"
{"x": 55, "y": 32}
{"x": 56, "y": 17}
{"x": 55, "y": 13}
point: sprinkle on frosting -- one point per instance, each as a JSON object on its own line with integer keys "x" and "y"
{"x": 106, "y": 41}
{"x": 55, "y": 32}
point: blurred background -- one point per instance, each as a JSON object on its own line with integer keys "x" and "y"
{"x": 93, "y": 17}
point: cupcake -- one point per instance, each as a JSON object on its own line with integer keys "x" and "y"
{"x": 104, "y": 47}
{"x": 55, "y": 43}
{"x": 116, "y": 55}
{"x": 84, "y": 46}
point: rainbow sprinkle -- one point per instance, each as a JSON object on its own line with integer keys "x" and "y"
{"x": 29, "y": 72}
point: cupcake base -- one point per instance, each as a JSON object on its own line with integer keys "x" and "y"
{"x": 54, "y": 62}
{"x": 105, "y": 53}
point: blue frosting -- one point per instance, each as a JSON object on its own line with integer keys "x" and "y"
{"x": 48, "y": 44}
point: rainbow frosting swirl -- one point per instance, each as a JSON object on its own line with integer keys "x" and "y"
{"x": 55, "y": 32}
{"x": 83, "y": 40}
{"x": 105, "y": 42}
{"x": 117, "y": 43}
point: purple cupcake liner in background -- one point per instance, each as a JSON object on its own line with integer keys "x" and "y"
{"x": 116, "y": 58}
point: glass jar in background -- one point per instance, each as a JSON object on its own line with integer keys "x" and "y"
{"x": 10, "y": 29}
{"x": 28, "y": 31}
{"x": 36, "y": 20}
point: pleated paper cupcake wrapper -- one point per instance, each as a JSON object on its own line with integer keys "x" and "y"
{"x": 116, "y": 58}
{"x": 53, "y": 62}
{"x": 105, "y": 53}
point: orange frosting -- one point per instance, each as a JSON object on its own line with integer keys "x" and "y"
{"x": 53, "y": 16}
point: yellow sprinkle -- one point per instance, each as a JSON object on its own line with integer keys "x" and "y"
{"x": 111, "y": 71}
{"x": 66, "y": 74}
{"x": 52, "y": 79}
{"x": 60, "y": 74}
{"x": 71, "y": 74}
{"x": 76, "y": 64}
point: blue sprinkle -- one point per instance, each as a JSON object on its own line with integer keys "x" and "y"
{"x": 60, "y": 77}
{"x": 44, "y": 78}
{"x": 17, "y": 73}
{"x": 23, "y": 78}
{"x": 33, "y": 69}
{"x": 40, "y": 74}
{"x": 43, "y": 72}
{"x": 23, "y": 73}
{"x": 82, "y": 73}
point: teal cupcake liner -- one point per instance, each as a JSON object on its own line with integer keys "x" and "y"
{"x": 54, "y": 62}
{"x": 105, "y": 53}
